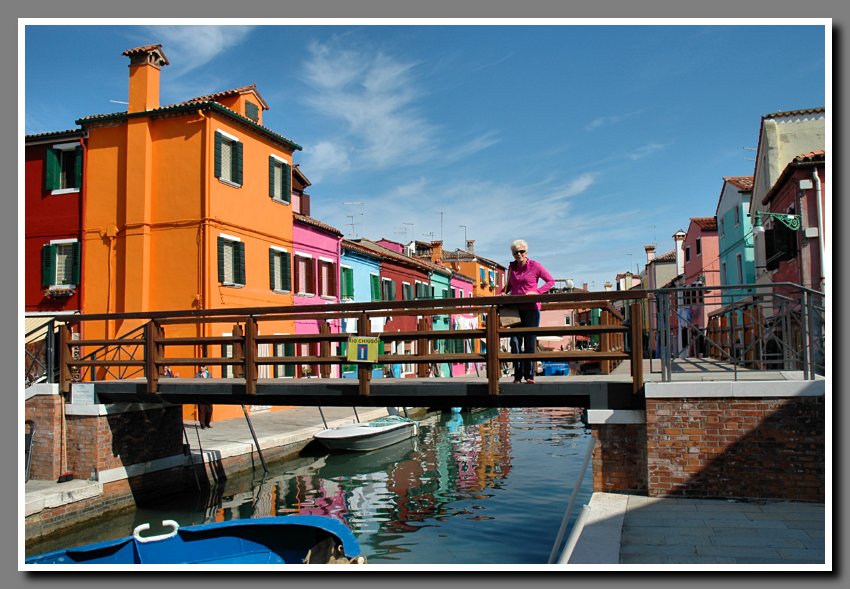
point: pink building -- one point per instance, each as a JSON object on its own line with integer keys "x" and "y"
{"x": 701, "y": 268}
{"x": 315, "y": 281}
{"x": 461, "y": 287}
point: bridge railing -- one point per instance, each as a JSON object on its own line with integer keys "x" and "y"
{"x": 258, "y": 343}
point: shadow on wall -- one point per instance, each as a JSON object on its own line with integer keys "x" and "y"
{"x": 781, "y": 458}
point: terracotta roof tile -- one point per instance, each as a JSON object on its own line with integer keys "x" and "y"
{"x": 315, "y": 223}
{"x": 810, "y": 157}
{"x": 225, "y": 93}
{"x": 705, "y": 223}
{"x": 147, "y": 49}
{"x": 668, "y": 257}
{"x": 742, "y": 182}
{"x": 791, "y": 113}
{"x": 187, "y": 106}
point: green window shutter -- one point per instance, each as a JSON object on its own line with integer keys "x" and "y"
{"x": 347, "y": 282}
{"x": 239, "y": 263}
{"x": 286, "y": 188}
{"x": 75, "y": 265}
{"x": 221, "y": 242}
{"x": 48, "y": 267}
{"x": 252, "y": 111}
{"x": 78, "y": 167}
{"x": 392, "y": 290}
{"x": 272, "y": 165}
{"x": 272, "y": 257}
{"x": 289, "y": 351}
{"x": 375, "y": 282}
{"x": 218, "y": 140}
{"x": 51, "y": 169}
{"x": 237, "y": 162}
{"x": 287, "y": 271}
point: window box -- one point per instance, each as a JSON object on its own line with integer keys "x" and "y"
{"x": 59, "y": 292}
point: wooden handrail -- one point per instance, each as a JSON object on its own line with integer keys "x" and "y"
{"x": 155, "y": 348}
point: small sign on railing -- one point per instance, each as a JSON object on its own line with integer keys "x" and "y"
{"x": 363, "y": 349}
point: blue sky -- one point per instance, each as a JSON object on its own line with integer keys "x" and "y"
{"x": 587, "y": 141}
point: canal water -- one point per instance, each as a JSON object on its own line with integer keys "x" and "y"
{"x": 477, "y": 487}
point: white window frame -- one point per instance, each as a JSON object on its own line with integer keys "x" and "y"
{"x": 231, "y": 139}
{"x": 64, "y": 148}
{"x": 282, "y": 250}
{"x": 342, "y": 297}
{"x": 319, "y": 283}
{"x": 232, "y": 238}
{"x": 296, "y": 286}
{"x": 54, "y": 283}
{"x": 283, "y": 162}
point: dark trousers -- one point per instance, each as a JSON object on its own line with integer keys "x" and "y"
{"x": 204, "y": 414}
{"x": 526, "y": 343}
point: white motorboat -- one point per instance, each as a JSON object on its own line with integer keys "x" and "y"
{"x": 371, "y": 435}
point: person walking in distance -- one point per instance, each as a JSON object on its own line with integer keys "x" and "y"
{"x": 524, "y": 275}
{"x": 204, "y": 409}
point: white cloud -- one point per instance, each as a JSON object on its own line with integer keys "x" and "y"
{"x": 377, "y": 99}
{"x": 573, "y": 188}
{"x": 600, "y": 121}
{"x": 190, "y": 47}
{"x": 646, "y": 150}
{"x": 325, "y": 157}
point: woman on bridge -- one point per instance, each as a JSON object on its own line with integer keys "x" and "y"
{"x": 523, "y": 277}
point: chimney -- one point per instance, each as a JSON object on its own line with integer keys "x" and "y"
{"x": 145, "y": 63}
{"x": 437, "y": 252}
{"x": 470, "y": 246}
{"x": 650, "y": 252}
{"x": 679, "y": 238}
{"x": 584, "y": 286}
{"x": 608, "y": 286}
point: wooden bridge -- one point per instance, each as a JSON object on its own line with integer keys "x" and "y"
{"x": 262, "y": 349}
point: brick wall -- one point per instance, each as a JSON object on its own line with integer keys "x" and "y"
{"x": 45, "y": 413}
{"x": 765, "y": 448}
{"x": 122, "y": 439}
{"x": 619, "y": 458}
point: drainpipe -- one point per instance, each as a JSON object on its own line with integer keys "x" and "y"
{"x": 816, "y": 179}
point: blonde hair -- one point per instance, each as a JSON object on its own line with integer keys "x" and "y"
{"x": 519, "y": 244}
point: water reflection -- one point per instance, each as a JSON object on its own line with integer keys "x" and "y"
{"x": 449, "y": 495}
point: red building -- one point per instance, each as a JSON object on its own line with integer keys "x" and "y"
{"x": 795, "y": 254}
{"x": 53, "y": 198}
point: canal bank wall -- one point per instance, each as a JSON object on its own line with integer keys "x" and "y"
{"x": 116, "y": 457}
{"x": 757, "y": 440}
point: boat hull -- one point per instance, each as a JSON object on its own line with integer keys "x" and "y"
{"x": 294, "y": 539}
{"x": 363, "y": 437}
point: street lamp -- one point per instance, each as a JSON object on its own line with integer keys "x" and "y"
{"x": 793, "y": 222}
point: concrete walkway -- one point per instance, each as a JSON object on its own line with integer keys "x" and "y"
{"x": 630, "y": 529}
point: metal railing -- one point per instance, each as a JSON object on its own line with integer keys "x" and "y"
{"x": 777, "y": 326}
{"x": 259, "y": 346}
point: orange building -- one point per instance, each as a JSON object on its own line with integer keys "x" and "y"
{"x": 187, "y": 206}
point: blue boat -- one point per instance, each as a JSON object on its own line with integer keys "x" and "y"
{"x": 293, "y": 539}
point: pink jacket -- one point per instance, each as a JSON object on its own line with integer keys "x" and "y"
{"x": 523, "y": 279}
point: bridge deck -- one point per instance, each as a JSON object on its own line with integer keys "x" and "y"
{"x": 611, "y": 391}
{"x": 551, "y": 391}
